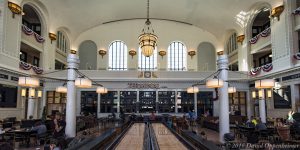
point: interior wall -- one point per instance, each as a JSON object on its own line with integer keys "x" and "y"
{"x": 206, "y": 57}
{"x": 88, "y": 55}
{"x": 128, "y": 31}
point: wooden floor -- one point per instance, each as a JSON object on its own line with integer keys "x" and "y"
{"x": 166, "y": 140}
{"x": 133, "y": 139}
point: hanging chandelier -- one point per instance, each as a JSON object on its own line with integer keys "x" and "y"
{"x": 147, "y": 40}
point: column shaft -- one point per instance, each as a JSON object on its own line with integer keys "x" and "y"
{"x": 70, "y": 131}
{"x": 223, "y": 98}
{"x": 262, "y": 107}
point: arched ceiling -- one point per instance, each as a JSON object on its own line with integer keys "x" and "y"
{"x": 214, "y": 16}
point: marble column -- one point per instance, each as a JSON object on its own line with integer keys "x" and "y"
{"x": 195, "y": 104}
{"x": 223, "y": 97}
{"x": 98, "y": 105}
{"x": 73, "y": 62}
{"x": 31, "y": 105}
{"x": 262, "y": 106}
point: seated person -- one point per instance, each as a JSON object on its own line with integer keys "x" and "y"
{"x": 41, "y": 129}
{"x": 152, "y": 116}
{"x": 254, "y": 121}
{"x": 260, "y": 126}
{"x": 278, "y": 123}
{"x": 59, "y": 126}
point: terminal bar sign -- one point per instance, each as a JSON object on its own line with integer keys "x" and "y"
{"x": 143, "y": 85}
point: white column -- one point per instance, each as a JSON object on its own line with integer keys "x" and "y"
{"x": 223, "y": 97}
{"x": 98, "y": 105}
{"x": 137, "y": 101}
{"x": 31, "y": 103}
{"x": 176, "y": 106}
{"x": 195, "y": 104}
{"x": 249, "y": 104}
{"x": 156, "y": 102}
{"x": 73, "y": 62}
{"x": 262, "y": 107}
{"x": 118, "y": 103}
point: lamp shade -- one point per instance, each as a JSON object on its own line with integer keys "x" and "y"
{"x": 23, "y": 92}
{"x": 61, "y": 89}
{"x": 260, "y": 93}
{"x": 40, "y": 94}
{"x": 231, "y": 89}
{"x": 28, "y": 82}
{"x": 192, "y": 89}
{"x": 265, "y": 84}
{"x": 101, "y": 90}
{"x": 253, "y": 94}
{"x": 83, "y": 83}
{"x": 32, "y": 92}
{"x": 269, "y": 93}
{"x": 214, "y": 83}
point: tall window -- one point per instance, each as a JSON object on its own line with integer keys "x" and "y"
{"x": 117, "y": 56}
{"x": 62, "y": 42}
{"x": 231, "y": 44}
{"x": 147, "y": 63}
{"x": 177, "y": 57}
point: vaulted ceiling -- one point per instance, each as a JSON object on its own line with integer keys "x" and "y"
{"x": 214, "y": 16}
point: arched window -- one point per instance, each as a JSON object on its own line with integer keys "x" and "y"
{"x": 177, "y": 57}
{"x": 231, "y": 44}
{"x": 117, "y": 56}
{"x": 62, "y": 42}
{"x": 147, "y": 63}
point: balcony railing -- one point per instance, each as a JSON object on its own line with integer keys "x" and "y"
{"x": 264, "y": 68}
{"x": 264, "y": 33}
{"x": 30, "y": 32}
{"x": 27, "y": 66}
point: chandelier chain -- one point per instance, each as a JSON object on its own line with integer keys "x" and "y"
{"x": 148, "y": 3}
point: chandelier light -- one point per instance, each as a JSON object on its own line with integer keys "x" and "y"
{"x": 83, "y": 83}
{"x": 231, "y": 89}
{"x": 214, "y": 83}
{"x": 147, "y": 40}
{"x": 101, "y": 90}
{"x": 28, "y": 82}
{"x": 269, "y": 93}
{"x": 264, "y": 84}
{"x": 192, "y": 89}
{"x": 61, "y": 89}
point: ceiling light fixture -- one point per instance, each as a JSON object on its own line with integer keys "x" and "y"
{"x": 147, "y": 40}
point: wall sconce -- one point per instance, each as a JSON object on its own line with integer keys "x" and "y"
{"x": 102, "y": 52}
{"x": 52, "y": 37}
{"x": 276, "y": 12}
{"x": 132, "y": 53}
{"x": 240, "y": 38}
{"x": 72, "y": 51}
{"x": 162, "y": 53}
{"x": 219, "y": 53}
{"x": 192, "y": 53}
{"x": 14, "y": 8}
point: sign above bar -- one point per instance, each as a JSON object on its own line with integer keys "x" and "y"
{"x": 143, "y": 85}
{"x": 290, "y": 77}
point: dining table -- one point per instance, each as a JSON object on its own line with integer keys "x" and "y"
{"x": 24, "y": 134}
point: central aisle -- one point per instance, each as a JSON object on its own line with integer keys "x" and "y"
{"x": 166, "y": 140}
{"x": 134, "y": 138}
